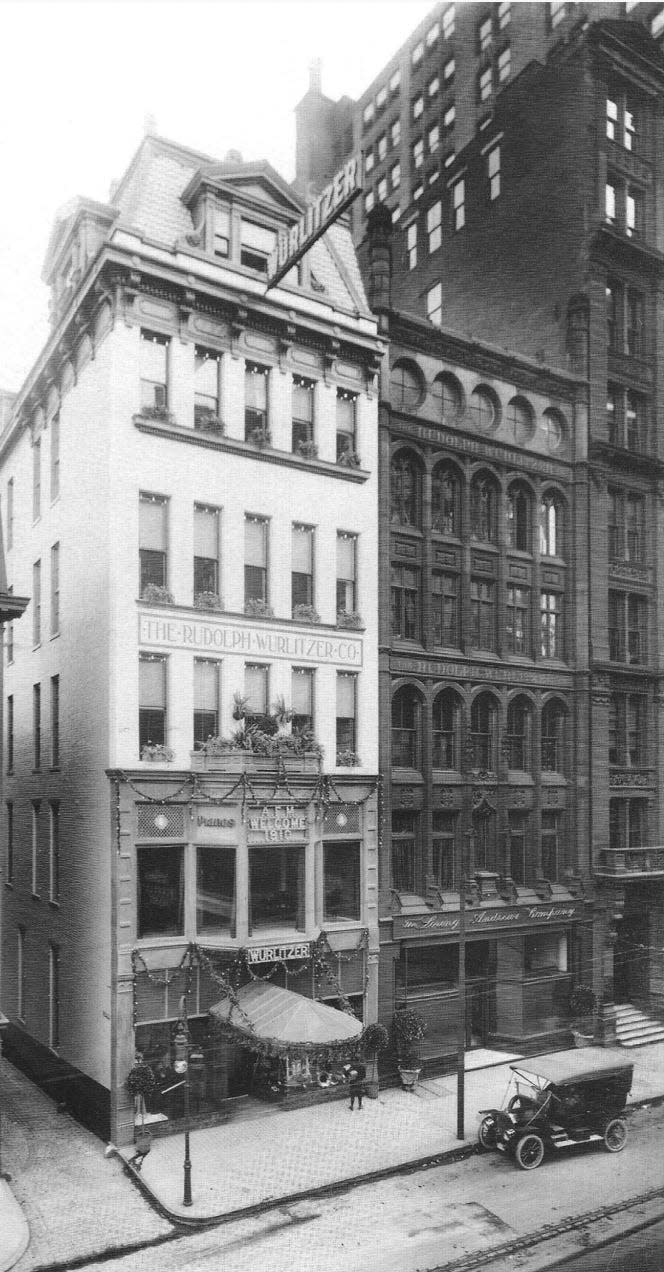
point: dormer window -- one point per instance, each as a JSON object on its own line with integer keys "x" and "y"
{"x": 257, "y": 244}
{"x": 221, "y": 232}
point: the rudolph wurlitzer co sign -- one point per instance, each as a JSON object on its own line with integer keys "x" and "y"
{"x": 335, "y": 198}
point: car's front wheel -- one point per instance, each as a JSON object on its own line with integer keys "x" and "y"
{"x": 530, "y": 1151}
{"x": 615, "y": 1135}
{"x": 486, "y": 1132}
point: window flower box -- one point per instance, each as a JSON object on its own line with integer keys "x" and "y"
{"x": 157, "y": 753}
{"x": 160, "y": 413}
{"x": 260, "y": 437}
{"x": 153, "y": 594}
{"x": 348, "y": 759}
{"x": 207, "y": 601}
{"x": 308, "y": 450}
{"x": 349, "y": 459}
{"x": 208, "y": 422}
{"x": 255, "y": 608}
{"x": 306, "y": 614}
{"x": 349, "y": 618}
{"x": 235, "y": 760}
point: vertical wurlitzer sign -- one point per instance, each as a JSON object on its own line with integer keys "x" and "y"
{"x": 319, "y": 215}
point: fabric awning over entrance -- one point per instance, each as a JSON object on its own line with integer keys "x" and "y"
{"x": 285, "y": 1020}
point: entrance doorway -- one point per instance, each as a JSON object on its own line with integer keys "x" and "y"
{"x": 480, "y": 992}
{"x": 630, "y": 961}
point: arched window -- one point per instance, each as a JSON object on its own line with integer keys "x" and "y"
{"x": 518, "y": 518}
{"x": 484, "y": 409}
{"x": 554, "y": 717}
{"x": 445, "y": 726}
{"x": 483, "y": 733}
{"x": 405, "y": 491}
{"x": 448, "y": 395}
{"x": 520, "y": 420}
{"x": 519, "y": 735}
{"x": 406, "y": 384}
{"x": 551, "y": 525}
{"x": 406, "y": 728}
{"x": 483, "y": 506}
{"x": 445, "y": 500}
{"x": 553, "y": 429}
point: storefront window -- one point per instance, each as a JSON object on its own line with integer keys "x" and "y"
{"x": 546, "y": 953}
{"x": 160, "y": 901}
{"x": 432, "y": 965}
{"x": 215, "y": 890}
{"x": 341, "y": 886}
{"x": 276, "y": 887}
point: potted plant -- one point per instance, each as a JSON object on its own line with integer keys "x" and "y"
{"x": 409, "y": 1028}
{"x": 308, "y": 450}
{"x": 155, "y": 594}
{"x": 141, "y": 1082}
{"x": 349, "y": 618}
{"x": 206, "y": 421}
{"x": 582, "y": 1003}
{"x": 348, "y": 759}
{"x": 374, "y": 1039}
{"x": 306, "y": 614}
{"x": 207, "y": 600}
{"x": 260, "y": 436}
{"x": 157, "y": 412}
{"x": 256, "y": 608}
{"x": 157, "y": 753}
{"x": 349, "y": 459}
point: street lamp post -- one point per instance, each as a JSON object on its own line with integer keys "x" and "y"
{"x": 461, "y": 1041}
{"x": 3, "y": 1021}
{"x": 181, "y": 1066}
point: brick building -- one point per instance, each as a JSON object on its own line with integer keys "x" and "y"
{"x": 484, "y": 679}
{"x": 189, "y": 479}
{"x": 535, "y": 224}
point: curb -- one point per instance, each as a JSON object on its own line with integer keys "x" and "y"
{"x": 19, "y": 1224}
{"x": 446, "y": 1156}
{"x": 288, "y": 1199}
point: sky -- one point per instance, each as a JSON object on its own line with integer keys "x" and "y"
{"x": 79, "y": 79}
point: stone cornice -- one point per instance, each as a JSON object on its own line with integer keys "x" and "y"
{"x": 116, "y": 267}
{"x": 415, "y": 334}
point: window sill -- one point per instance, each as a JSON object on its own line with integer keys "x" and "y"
{"x": 235, "y": 446}
{"x": 35, "y": 896}
{"x": 410, "y": 775}
{"x": 55, "y": 905}
{"x": 9, "y": 884}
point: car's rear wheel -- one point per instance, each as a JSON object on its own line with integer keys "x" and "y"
{"x": 615, "y": 1135}
{"x": 530, "y": 1151}
{"x": 486, "y": 1133}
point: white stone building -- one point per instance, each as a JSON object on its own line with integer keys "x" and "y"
{"x": 189, "y": 495}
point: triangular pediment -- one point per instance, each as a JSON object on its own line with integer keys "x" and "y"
{"x": 257, "y": 182}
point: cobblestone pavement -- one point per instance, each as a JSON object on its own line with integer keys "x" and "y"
{"x": 76, "y": 1202}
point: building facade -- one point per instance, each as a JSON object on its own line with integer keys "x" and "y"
{"x": 537, "y": 226}
{"x": 190, "y": 793}
{"x": 484, "y": 680}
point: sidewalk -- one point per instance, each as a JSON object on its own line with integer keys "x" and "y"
{"x": 14, "y": 1232}
{"x": 251, "y": 1164}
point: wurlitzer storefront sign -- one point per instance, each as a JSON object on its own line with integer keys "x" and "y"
{"x": 335, "y": 198}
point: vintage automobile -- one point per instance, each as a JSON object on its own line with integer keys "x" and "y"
{"x": 557, "y": 1100}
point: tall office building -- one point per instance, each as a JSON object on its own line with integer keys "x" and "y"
{"x": 518, "y": 153}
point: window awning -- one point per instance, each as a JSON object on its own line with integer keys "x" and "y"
{"x": 279, "y": 1021}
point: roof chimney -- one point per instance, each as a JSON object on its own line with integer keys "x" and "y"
{"x": 316, "y": 76}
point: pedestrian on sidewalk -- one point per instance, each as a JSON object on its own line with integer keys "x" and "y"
{"x": 355, "y": 1076}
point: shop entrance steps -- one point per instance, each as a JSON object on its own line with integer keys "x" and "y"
{"x": 634, "y": 1028}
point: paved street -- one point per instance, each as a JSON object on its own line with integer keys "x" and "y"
{"x": 76, "y": 1202}
{"x": 419, "y": 1221}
